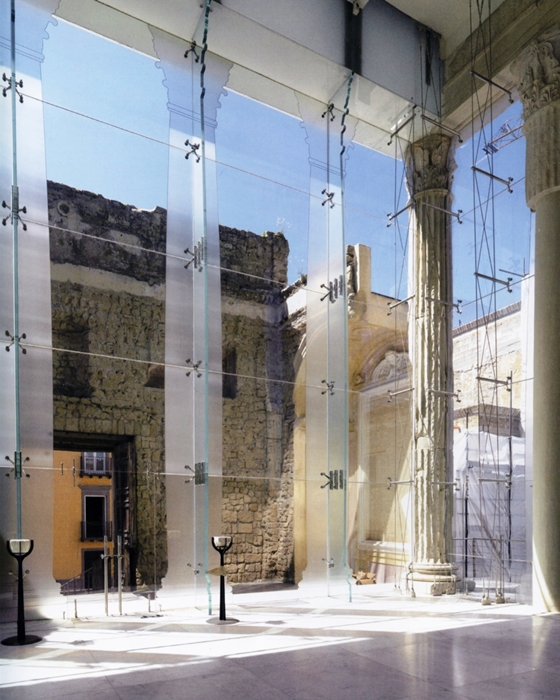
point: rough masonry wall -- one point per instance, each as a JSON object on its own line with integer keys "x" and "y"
{"x": 258, "y": 419}
{"x": 108, "y": 300}
{"x": 94, "y": 393}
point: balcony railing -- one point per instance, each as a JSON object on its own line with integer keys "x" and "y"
{"x": 95, "y": 530}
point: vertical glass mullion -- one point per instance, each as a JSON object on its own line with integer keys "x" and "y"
{"x": 26, "y": 288}
{"x": 318, "y": 395}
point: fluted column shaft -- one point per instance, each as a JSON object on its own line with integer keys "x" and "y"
{"x": 538, "y": 74}
{"x": 428, "y": 175}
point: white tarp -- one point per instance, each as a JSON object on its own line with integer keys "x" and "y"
{"x": 489, "y": 524}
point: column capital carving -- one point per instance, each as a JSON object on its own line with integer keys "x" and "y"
{"x": 537, "y": 73}
{"x": 428, "y": 164}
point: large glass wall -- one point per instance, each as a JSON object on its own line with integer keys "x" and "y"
{"x": 213, "y": 293}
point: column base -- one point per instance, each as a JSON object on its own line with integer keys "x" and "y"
{"x": 433, "y": 579}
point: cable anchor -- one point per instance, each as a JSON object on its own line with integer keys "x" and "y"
{"x": 193, "y": 50}
{"x": 195, "y": 571}
{"x": 194, "y": 368}
{"x": 16, "y": 84}
{"x": 13, "y": 340}
{"x": 329, "y": 198}
{"x": 330, "y": 387}
{"x": 194, "y": 150}
{"x": 14, "y": 209}
{"x": 329, "y": 110}
{"x": 329, "y": 562}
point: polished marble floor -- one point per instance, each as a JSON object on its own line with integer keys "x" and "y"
{"x": 381, "y": 646}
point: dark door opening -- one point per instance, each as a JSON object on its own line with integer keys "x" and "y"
{"x": 112, "y": 514}
{"x": 92, "y": 569}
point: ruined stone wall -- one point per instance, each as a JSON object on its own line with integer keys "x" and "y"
{"x": 109, "y": 302}
{"x": 258, "y": 416}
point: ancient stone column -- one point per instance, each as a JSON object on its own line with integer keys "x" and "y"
{"x": 538, "y": 76}
{"x": 428, "y": 179}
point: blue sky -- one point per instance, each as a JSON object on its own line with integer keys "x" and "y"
{"x": 263, "y": 168}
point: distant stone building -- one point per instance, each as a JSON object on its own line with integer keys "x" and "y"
{"x": 108, "y": 312}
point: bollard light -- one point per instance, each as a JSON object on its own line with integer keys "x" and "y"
{"x": 19, "y": 549}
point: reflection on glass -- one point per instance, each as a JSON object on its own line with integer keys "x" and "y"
{"x": 262, "y": 179}
{"x": 101, "y": 97}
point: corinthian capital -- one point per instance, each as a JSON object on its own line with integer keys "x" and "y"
{"x": 537, "y": 72}
{"x": 427, "y": 164}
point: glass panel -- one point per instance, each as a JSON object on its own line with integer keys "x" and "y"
{"x": 261, "y": 189}
{"x": 25, "y": 285}
{"x": 379, "y": 518}
{"x": 106, "y": 131}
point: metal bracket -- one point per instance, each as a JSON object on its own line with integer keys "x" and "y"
{"x": 398, "y": 393}
{"x": 503, "y": 382}
{"x": 455, "y": 483}
{"x": 197, "y": 256}
{"x": 14, "y": 210}
{"x": 196, "y": 60}
{"x": 13, "y": 340}
{"x": 329, "y": 110}
{"x": 330, "y": 387}
{"x": 194, "y": 367}
{"x": 18, "y": 466}
{"x": 329, "y": 198}
{"x": 329, "y": 562}
{"x": 397, "y": 483}
{"x": 17, "y": 84}
{"x": 506, "y": 481}
{"x": 401, "y": 126}
{"x": 194, "y": 149}
{"x": 448, "y": 303}
{"x": 200, "y": 473}
{"x": 456, "y": 214}
{"x": 335, "y": 480}
{"x": 436, "y": 392}
{"x": 443, "y": 126}
{"x": 506, "y": 283}
{"x": 334, "y": 289}
{"x": 491, "y": 82}
{"x": 195, "y": 571}
{"x": 397, "y": 213}
{"x": 188, "y": 481}
{"x": 507, "y": 182}
{"x": 394, "y": 304}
